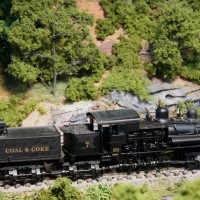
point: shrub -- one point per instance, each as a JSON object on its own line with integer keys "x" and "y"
{"x": 126, "y": 80}
{"x": 191, "y": 73}
{"x": 61, "y": 190}
{"x": 13, "y": 112}
{"x": 182, "y": 107}
{"x": 2, "y": 196}
{"x": 126, "y": 52}
{"x": 104, "y": 28}
{"x": 131, "y": 192}
{"x": 150, "y": 68}
{"x": 167, "y": 58}
{"x": 100, "y": 192}
{"x": 189, "y": 190}
{"x": 41, "y": 110}
{"x": 81, "y": 89}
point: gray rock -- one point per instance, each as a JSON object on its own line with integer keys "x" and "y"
{"x": 48, "y": 183}
{"x": 39, "y": 184}
{"x": 99, "y": 179}
{"x": 79, "y": 181}
{"x": 194, "y": 171}
{"x": 109, "y": 178}
{"x": 27, "y": 185}
{"x": 129, "y": 177}
{"x": 17, "y": 185}
{"x": 89, "y": 180}
{"x": 119, "y": 178}
{"x": 79, "y": 118}
{"x": 176, "y": 173}
{"x": 139, "y": 176}
{"x": 6, "y": 187}
{"x": 185, "y": 172}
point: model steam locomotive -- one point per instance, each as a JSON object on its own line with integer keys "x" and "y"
{"x": 110, "y": 140}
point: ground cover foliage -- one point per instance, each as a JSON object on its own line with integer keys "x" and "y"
{"x": 63, "y": 190}
{"x": 14, "y": 110}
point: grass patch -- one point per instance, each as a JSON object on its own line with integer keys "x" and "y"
{"x": 41, "y": 93}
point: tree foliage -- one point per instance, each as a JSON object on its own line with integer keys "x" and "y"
{"x": 133, "y": 17}
{"x": 167, "y": 58}
{"x": 174, "y": 35}
{"x": 48, "y": 39}
{"x": 177, "y": 40}
{"x": 127, "y": 73}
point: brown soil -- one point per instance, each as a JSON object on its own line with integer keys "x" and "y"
{"x": 104, "y": 76}
{"x": 92, "y": 7}
{"x": 4, "y": 94}
{"x": 106, "y": 45}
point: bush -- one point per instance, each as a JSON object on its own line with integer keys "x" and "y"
{"x": 61, "y": 190}
{"x": 131, "y": 192}
{"x": 189, "y": 190}
{"x": 126, "y": 53}
{"x": 100, "y": 192}
{"x": 167, "y": 59}
{"x": 2, "y": 196}
{"x": 81, "y": 89}
{"x": 41, "y": 110}
{"x": 104, "y": 28}
{"x": 150, "y": 68}
{"x": 191, "y": 73}
{"x": 13, "y": 111}
{"x": 130, "y": 80}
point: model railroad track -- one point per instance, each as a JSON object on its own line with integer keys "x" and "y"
{"x": 150, "y": 177}
{"x": 92, "y": 170}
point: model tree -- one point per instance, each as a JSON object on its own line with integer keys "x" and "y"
{"x": 48, "y": 39}
{"x": 177, "y": 39}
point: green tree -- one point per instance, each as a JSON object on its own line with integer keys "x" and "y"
{"x": 178, "y": 29}
{"x": 48, "y": 39}
{"x": 5, "y": 6}
{"x": 167, "y": 58}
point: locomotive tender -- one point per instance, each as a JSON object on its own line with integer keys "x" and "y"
{"x": 111, "y": 140}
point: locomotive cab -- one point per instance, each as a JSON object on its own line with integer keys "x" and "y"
{"x": 113, "y": 126}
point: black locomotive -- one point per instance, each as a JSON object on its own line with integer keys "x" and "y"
{"x": 110, "y": 140}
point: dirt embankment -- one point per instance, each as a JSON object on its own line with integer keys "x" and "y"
{"x": 94, "y": 8}
{"x": 91, "y": 7}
